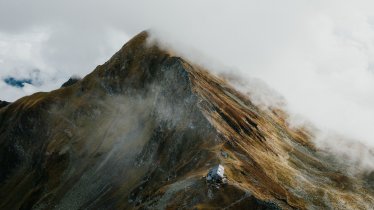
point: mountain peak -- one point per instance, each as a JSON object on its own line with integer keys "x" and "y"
{"x": 144, "y": 129}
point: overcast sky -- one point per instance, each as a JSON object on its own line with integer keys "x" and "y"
{"x": 319, "y": 55}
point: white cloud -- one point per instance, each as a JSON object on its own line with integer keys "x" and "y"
{"x": 56, "y": 53}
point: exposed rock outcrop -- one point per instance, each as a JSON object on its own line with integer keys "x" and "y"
{"x": 71, "y": 81}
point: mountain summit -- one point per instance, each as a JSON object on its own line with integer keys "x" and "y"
{"x": 143, "y": 130}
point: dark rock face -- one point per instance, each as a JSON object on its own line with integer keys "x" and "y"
{"x": 142, "y": 130}
{"x": 71, "y": 81}
{"x": 3, "y": 103}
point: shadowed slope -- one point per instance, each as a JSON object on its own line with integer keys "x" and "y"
{"x": 3, "y": 103}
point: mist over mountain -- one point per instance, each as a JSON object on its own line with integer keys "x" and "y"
{"x": 318, "y": 55}
{"x": 142, "y": 131}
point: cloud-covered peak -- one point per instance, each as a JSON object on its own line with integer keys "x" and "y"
{"x": 319, "y": 55}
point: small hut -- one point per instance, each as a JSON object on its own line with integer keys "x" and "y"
{"x": 216, "y": 174}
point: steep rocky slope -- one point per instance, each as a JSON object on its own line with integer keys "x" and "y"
{"x": 142, "y": 130}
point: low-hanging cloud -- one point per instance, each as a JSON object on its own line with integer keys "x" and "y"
{"x": 319, "y": 55}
